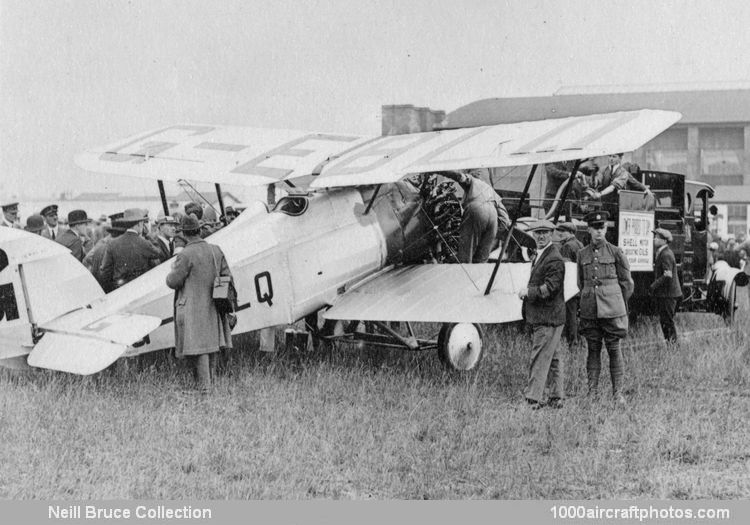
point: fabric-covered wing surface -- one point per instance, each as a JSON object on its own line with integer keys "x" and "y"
{"x": 444, "y": 293}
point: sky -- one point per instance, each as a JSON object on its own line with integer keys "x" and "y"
{"x": 79, "y": 74}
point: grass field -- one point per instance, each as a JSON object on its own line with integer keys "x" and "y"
{"x": 386, "y": 425}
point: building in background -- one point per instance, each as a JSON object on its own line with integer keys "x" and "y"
{"x": 710, "y": 144}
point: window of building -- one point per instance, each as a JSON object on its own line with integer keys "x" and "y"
{"x": 668, "y": 151}
{"x": 736, "y": 219}
{"x": 722, "y": 152}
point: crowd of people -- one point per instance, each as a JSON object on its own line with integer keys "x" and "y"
{"x": 118, "y": 248}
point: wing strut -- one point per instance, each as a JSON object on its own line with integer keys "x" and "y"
{"x": 221, "y": 203}
{"x": 372, "y": 199}
{"x": 566, "y": 190}
{"x": 163, "y": 198}
{"x": 521, "y": 202}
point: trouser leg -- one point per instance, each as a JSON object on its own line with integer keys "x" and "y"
{"x": 203, "y": 372}
{"x": 593, "y": 364}
{"x": 615, "y": 364}
{"x": 545, "y": 339}
{"x": 557, "y": 371}
{"x": 667, "y": 307}
{"x": 571, "y": 321}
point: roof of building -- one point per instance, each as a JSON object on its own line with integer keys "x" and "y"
{"x": 696, "y": 106}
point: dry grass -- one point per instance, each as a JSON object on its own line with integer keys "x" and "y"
{"x": 385, "y": 425}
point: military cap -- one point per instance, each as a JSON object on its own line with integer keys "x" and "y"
{"x": 664, "y": 234}
{"x": 567, "y": 227}
{"x": 189, "y": 223}
{"x": 49, "y": 210}
{"x": 34, "y": 223}
{"x": 8, "y": 205}
{"x": 596, "y": 217}
{"x": 541, "y": 225}
{"x": 77, "y": 217}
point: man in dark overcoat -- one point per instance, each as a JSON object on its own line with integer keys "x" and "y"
{"x": 606, "y": 285}
{"x": 130, "y": 255}
{"x": 569, "y": 248}
{"x": 544, "y": 311}
{"x": 75, "y": 238}
{"x": 200, "y": 331}
{"x": 666, "y": 286}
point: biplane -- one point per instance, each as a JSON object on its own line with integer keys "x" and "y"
{"x": 348, "y": 241}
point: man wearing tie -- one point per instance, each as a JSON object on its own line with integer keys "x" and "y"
{"x": 52, "y": 229}
{"x": 164, "y": 238}
{"x": 544, "y": 309}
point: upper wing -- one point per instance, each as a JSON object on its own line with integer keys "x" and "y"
{"x": 390, "y": 158}
{"x": 219, "y": 154}
{"x": 254, "y": 156}
{"x": 442, "y": 293}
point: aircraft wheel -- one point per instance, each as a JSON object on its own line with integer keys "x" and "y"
{"x": 731, "y": 306}
{"x": 460, "y": 346}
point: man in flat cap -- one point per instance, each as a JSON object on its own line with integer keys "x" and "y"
{"x": 569, "y": 248}
{"x": 163, "y": 239}
{"x": 606, "y": 285}
{"x": 52, "y": 228}
{"x": 544, "y": 311}
{"x": 10, "y": 215}
{"x": 666, "y": 287}
{"x": 130, "y": 255}
{"x": 483, "y": 213}
{"x": 75, "y": 237}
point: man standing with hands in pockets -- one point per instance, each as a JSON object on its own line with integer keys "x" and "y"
{"x": 544, "y": 310}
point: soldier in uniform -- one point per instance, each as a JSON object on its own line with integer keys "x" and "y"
{"x": 569, "y": 248}
{"x": 606, "y": 285}
{"x": 666, "y": 287}
{"x": 74, "y": 238}
{"x": 129, "y": 255}
{"x": 10, "y": 215}
{"x": 544, "y": 310}
{"x": 52, "y": 229}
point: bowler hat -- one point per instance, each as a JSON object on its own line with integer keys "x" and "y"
{"x": 189, "y": 223}
{"x": 596, "y": 218}
{"x": 34, "y": 223}
{"x": 567, "y": 227}
{"x": 664, "y": 234}
{"x": 542, "y": 225}
{"x": 49, "y": 210}
{"x": 77, "y": 217}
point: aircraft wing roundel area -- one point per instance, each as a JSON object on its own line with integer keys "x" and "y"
{"x": 257, "y": 156}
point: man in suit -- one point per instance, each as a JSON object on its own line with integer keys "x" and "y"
{"x": 93, "y": 259}
{"x": 163, "y": 240}
{"x": 544, "y": 310}
{"x": 569, "y": 248}
{"x": 666, "y": 287}
{"x": 606, "y": 285}
{"x": 129, "y": 255}
{"x": 10, "y": 215}
{"x": 75, "y": 238}
{"x": 52, "y": 228}
{"x": 200, "y": 330}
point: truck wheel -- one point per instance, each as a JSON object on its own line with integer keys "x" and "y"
{"x": 460, "y": 346}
